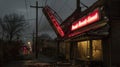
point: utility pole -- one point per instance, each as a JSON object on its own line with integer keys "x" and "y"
{"x": 78, "y": 2}
{"x": 36, "y": 44}
{"x": 33, "y": 42}
{"x": 78, "y": 5}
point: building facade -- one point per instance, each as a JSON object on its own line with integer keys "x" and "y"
{"x": 95, "y": 44}
{"x": 90, "y": 38}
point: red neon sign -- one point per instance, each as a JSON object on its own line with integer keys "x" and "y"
{"x": 54, "y": 21}
{"x": 90, "y": 18}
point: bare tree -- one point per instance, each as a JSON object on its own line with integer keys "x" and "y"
{"x": 13, "y": 25}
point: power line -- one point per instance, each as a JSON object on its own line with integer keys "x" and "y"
{"x": 69, "y": 7}
{"x": 26, "y": 8}
{"x": 62, "y": 5}
{"x": 40, "y": 19}
{"x": 45, "y": 2}
{"x": 53, "y": 2}
{"x": 29, "y": 3}
{"x": 84, "y": 5}
{"x": 66, "y": 3}
{"x": 29, "y": 19}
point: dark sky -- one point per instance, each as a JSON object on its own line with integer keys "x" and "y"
{"x": 63, "y": 7}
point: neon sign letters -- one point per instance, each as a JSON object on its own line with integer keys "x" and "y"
{"x": 90, "y": 18}
{"x": 54, "y": 21}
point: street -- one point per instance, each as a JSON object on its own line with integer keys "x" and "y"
{"x": 42, "y": 61}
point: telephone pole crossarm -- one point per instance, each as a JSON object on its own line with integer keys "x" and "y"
{"x": 36, "y": 7}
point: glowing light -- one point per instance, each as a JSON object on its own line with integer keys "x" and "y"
{"x": 91, "y": 18}
{"x": 54, "y": 21}
{"x": 29, "y": 43}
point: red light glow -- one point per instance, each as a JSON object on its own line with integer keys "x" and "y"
{"x": 54, "y": 21}
{"x": 91, "y": 18}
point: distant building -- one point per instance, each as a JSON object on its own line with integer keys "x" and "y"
{"x": 46, "y": 45}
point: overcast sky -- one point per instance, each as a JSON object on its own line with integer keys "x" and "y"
{"x": 63, "y": 7}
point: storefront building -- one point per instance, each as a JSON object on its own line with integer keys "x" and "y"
{"x": 90, "y": 38}
{"x": 93, "y": 39}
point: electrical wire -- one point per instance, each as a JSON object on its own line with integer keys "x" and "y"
{"x": 84, "y": 5}
{"x": 29, "y": 2}
{"x": 26, "y": 8}
{"x": 40, "y": 21}
{"x": 29, "y": 19}
{"x": 42, "y": 13}
{"x": 69, "y": 7}
{"x": 45, "y": 2}
{"x": 53, "y": 3}
{"x": 62, "y": 6}
{"x": 66, "y": 3}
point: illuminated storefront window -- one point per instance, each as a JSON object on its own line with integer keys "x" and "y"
{"x": 97, "y": 49}
{"x": 84, "y": 50}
